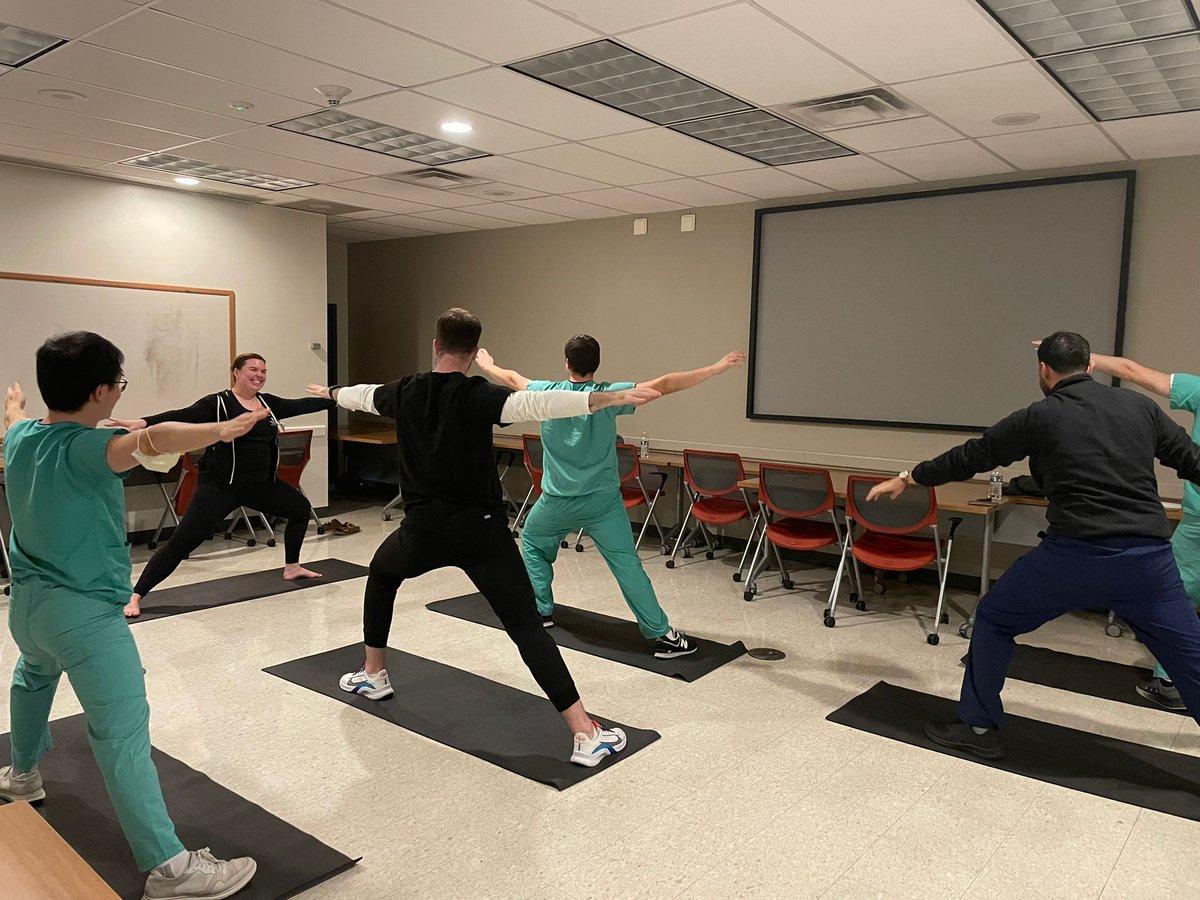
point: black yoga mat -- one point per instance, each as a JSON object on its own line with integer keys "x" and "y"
{"x": 507, "y": 727}
{"x": 205, "y": 815}
{"x": 605, "y": 636}
{"x": 236, "y": 588}
{"x": 1106, "y": 767}
{"x": 1080, "y": 675}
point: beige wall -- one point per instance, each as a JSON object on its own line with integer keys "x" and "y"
{"x": 274, "y": 259}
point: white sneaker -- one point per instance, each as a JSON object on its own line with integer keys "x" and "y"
{"x": 373, "y": 687}
{"x": 205, "y": 878}
{"x": 27, "y": 787}
{"x": 603, "y": 741}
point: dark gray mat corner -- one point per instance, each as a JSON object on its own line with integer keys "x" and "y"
{"x": 205, "y": 814}
{"x": 1093, "y": 764}
{"x": 252, "y": 586}
{"x": 509, "y": 728}
{"x": 608, "y": 637}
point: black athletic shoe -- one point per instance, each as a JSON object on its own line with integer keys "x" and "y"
{"x": 961, "y": 736}
{"x": 547, "y": 621}
{"x": 674, "y": 643}
{"x": 1165, "y": 695}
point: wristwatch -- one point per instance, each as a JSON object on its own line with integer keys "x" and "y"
{"x": 904, "y": 476}
{"x": 332, "y": 388}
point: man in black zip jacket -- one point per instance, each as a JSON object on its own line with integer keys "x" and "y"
{"x": 1092, "y": 447}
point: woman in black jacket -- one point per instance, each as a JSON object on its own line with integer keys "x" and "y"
{"x": 240, "y": 473}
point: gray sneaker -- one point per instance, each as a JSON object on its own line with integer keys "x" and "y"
{"x": 1165, "y": 695}
{"x": 205, "y": 878}
{"x": 26, "y": 787}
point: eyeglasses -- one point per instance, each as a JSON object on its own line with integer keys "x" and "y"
{"x": 123, "y": 383}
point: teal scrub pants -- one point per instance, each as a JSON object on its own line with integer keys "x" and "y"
{"x": 1186, "y": 545}
{"x": 60, "y": 631}
{"x": 603, "y": 515}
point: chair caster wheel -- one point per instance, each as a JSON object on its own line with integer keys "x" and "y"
{"x": 860, "y": 605}
{"x": 564, "y": 544}
{"x": 579, "y": 548}
{"x": 965, "y": 630}
{"x": 228, "y": 536}
{"x": 830, "y": 621}
{"x": 790, "y": 585}
{"x": 687, "y": 554}
{"x": 945, "y": 618}
{"x": 320, "y": 529}
{"x": 666, "y": 551}
{"x": 708, "y": 554}
{"x": 880, "y": 587}
{"x": 670, "y": 563}
{"x": 271, "y": 542}
{"x": 737, "y": 576}
{"x": 252, "y": 542}
{"x": 1113, "y": 630}
{"x": 748, "y": 596}
{"x": 903, "y": 578}
{"x": 932, "y": 640}
{"x": 153, "y": 545}
{"x": 387, "y": 517}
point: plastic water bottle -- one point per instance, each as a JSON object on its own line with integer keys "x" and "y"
{"x": 996, "y": 487}
{"x": 643, "y": 447}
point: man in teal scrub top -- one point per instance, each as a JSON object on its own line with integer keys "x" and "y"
{"x": 581, "y": 487}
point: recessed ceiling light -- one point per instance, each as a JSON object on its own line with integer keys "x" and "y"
{"x": 457, "y": 128}
{"x": 20, "y": 45}
{"x": 764, "y": 137}
{"x": 187, "y": 180}
{"x": 1016, "y": 119}
{"x": 241, "y": 106}
{"x": 178, "y": 165}
{"x": 498, "y": 193}
{"x": 355, "y": 131}
{"x": 62, "y": 94}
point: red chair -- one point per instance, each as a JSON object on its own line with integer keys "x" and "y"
{"x": 799, "y": 514}
{"x": 532, "y": 445}
{"x": 889, "y": 540}
{"x": 710, "y": 478}
{"x": 638, "y": 488}
{"x": 295, "y": 450}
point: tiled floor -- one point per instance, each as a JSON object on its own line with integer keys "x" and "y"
{"x": 750, "y": 792}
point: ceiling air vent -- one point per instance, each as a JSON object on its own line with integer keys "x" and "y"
{"x": 436, "y": 178}
{"x": 848, "y": 110}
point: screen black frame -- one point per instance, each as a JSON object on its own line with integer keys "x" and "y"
{"x": 1129, "y": 176}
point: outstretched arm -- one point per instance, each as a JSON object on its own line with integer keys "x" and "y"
{"x": 14, "y": 405}
{"x": 507, "y": 377}
{"x": 538, "y": 406}
{"x": 176, "y": 437}
{"x": 1127, "y": 370}
{"x": 674, "y": 382}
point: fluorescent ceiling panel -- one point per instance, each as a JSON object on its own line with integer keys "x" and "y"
{"x": 763, "y": 137}
{"x": 354, "y": 131}
{"x": 1059, "y": 26}
{"x": 1141, "y": 79}
{"x": 178, "y": 165}
{"x": 608, "y": 73}
{"x": 19, "y": 45}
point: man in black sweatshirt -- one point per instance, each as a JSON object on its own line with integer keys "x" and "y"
{"x": 1092, "y": 447}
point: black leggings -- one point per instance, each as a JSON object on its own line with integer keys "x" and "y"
{"x": 478, "y": 542}
{"x": 210, "y": 505}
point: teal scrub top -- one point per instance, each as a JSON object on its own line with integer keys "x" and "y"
{"x": 580, "y": 453}
{"x": 68, "y": 511}
{"x": 1185, "y": 395}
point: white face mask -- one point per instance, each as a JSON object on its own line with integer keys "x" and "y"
{"x": 161, "y": 462}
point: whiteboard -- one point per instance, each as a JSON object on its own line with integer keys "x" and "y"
{"x": 178, "y": 342}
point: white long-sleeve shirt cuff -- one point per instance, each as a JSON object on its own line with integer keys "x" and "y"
{"x": 358, "y": 397}
{"x": 537, "y": 406}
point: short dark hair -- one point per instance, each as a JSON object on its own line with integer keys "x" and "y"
{"x": 458, "y": 331}
{"x": 242, "y": 358}
{"x": 1065, "y": 352}
{"x": 70, "y": 366}
{"x": 583, "y": 354}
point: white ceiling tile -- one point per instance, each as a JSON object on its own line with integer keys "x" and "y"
{"x": 673, "y": 151}
{"x": 692, "y": 192}
{"x": 895, "y": 135}
{"x": 627, "y": 200}
{"x": 521, "y": 99}
{"x": 95, "y": 65}
{"x": 377, "y": 226}
{"x": 24, "y": 84}
{"x": 317, "y": 150}
{"x": 519, "y": 214}
{"x": 766, "y": 182}
{"x": 198, "y": 48}
{"x": 34, "y": 156}
{"x": 425, "y": 115}
{"x": 1177, "y": 134}
{"x": 425, "y": 224}
{"x": 1075, "y": 145}
{"x": 485, "y": 191}
{"x": 367, "y": 214}
{"x": 63, "y": 18}
{"x": 513, "y": 171}
{"x": 36, "y": 139}
{"x": 588, "y": 162}
{"x": 499, "y": 30}
{"x": 847, "y": 173}
{"x": 352, "y": 236}
{"x": 939, "y": 162}
{"x": 5, "y": 69}
{"x": 414, "y": 193}
{"x": 902, "y": 40}
{"x": 463, "y": 217}
{"x": 360, "y": 199}
{"x": 741, "y": 50}
{"x": 611, "y": 16}
{"x": 333, "y": 35}
{"x": 970, "y": 100}
{"x": 70, "y": 122}
{"x": 257, "y": 161}
{"x": 572, "y": 209}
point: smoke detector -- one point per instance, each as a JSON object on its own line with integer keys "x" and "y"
{"x": 848, "y": 110}
{"x": 437, "y": 178}
{"x": 334, "y": 94}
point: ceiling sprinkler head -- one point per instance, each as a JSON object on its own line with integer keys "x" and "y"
{"x": 334, "y": 94}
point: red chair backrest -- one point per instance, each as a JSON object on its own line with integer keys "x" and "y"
{"x": 187, "y": 487}
{"x": 914, "y": 510}
{"x": 629, "y": 466}
{"x": 532, "y": 446}
{"x": 795, "y": 491}
{"x": 295, "y": 450}
{"x": 712, "y": 474}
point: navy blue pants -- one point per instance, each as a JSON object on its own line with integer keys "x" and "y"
{"x": 1135, "y": 577}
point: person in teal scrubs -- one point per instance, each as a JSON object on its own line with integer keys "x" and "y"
{"x": 1183, "y": 391}
{"x": 71, "y": 578}
{"x": 581, "y": 487}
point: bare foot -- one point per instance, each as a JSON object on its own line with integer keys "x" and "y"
{"x": 133, "y": 609}
{"x": 295, "y": 571}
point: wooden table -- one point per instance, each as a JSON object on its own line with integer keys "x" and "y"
{"x": 37, "y": 864}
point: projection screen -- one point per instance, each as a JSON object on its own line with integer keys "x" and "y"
{"x": 916, "y": 310}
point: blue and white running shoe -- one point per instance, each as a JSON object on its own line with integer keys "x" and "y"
{"x": 589, "y": 750}
{"x": 373, "y": 687}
